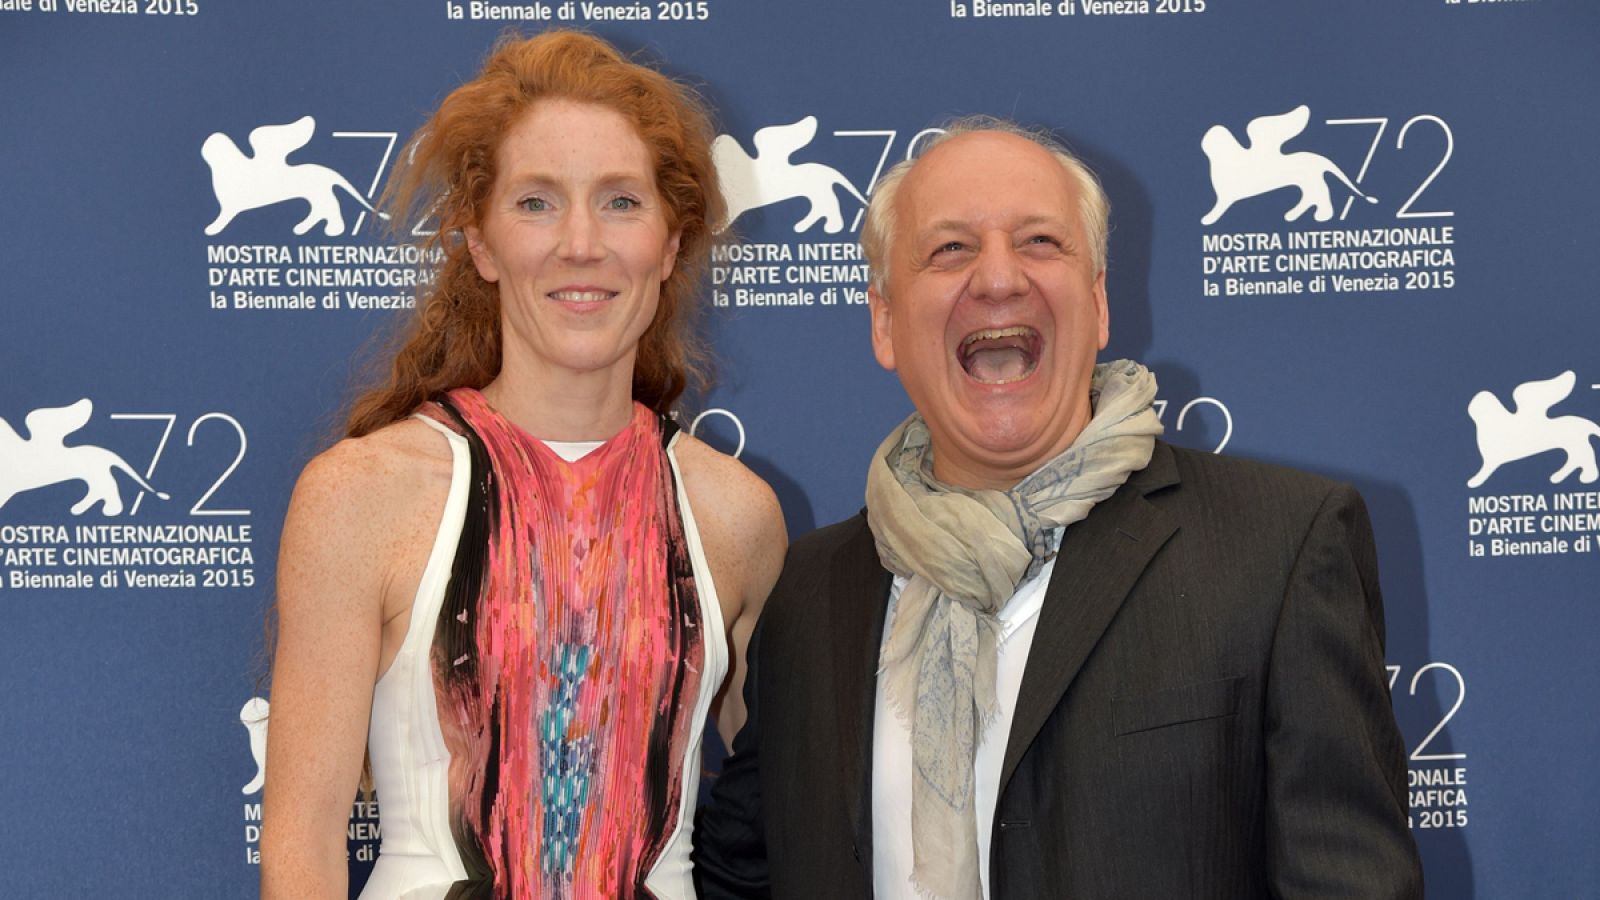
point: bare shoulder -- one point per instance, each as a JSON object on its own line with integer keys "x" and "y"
{"x": 368, "y": 499}
{"x": 382, "y": 472}
{"x": 723, "y": 488}
{"x": 741, "y": 524}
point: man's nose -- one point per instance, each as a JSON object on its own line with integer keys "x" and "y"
{"x": 998, "y": 274}
{"x": 580, "y": 236}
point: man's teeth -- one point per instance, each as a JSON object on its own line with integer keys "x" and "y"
{"x": 993, "y": 333}
{"x": 582, "y": 296}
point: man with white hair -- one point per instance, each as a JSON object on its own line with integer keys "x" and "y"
{"x": 1056, "y": 657}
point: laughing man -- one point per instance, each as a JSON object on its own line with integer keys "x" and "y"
{"x": 1056, "y": 657}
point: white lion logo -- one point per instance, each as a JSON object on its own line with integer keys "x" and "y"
{"x": 245, "y": 182}
{"x": 44, "y": 459}
{"x": 750, "y": 182}
{"x": 1239, "y": 173}
{"x": 254, "y": 718}
{"x": 1505, "y": 436}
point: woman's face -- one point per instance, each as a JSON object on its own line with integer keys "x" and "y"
{"x": 574, "y": 235}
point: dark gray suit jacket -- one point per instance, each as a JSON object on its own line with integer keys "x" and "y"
{"x": 1203, "y": 714}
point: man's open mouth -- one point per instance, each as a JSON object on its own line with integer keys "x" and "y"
{"x": 1000, "y": 355}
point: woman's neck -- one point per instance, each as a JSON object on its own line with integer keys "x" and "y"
{"x": 557, "y": 405}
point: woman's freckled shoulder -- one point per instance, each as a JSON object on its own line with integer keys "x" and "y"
{"x": 742, "y": 528}
{"x": 733, "y": 500}
{"x": 740, "y": 519}
{"x": 397, "y": 455}
{"x": 388, "y": 476}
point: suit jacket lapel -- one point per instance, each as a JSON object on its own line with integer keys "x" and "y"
{"x": 1101, "y": 558}
{"x": 859, "y": 586}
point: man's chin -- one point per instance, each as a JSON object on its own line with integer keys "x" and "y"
{"x": 995, "y": 457}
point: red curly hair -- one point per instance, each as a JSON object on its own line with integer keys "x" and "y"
{"x": 448, "y": 170}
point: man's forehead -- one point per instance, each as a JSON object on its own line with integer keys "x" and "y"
{"x": 987, "y": 178}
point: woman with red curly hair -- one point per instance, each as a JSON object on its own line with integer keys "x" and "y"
{"x": 516, "y": 580}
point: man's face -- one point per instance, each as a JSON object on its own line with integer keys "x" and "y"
{"x": 992, "y": 311}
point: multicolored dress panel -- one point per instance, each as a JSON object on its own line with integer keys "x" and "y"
{"x": 566, "y": 660}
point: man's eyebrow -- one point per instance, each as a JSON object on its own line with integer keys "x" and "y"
{"x": 962, "y": 225}
{"x": 944, "y": 225}
{"x": 1042, "y": 220}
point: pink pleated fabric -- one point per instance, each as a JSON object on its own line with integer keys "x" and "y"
{"x": 566, "y": 661}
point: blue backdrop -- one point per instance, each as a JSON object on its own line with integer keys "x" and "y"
{"x": 164, "y": 322}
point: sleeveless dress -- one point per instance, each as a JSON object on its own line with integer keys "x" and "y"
{"x": 538, "y": 735}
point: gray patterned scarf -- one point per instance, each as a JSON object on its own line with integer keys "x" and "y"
{"x": 963, "y": 553}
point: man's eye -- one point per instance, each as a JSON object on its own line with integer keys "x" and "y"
{"x": 949, "y": 247}
{"x": 1044, "y": 239}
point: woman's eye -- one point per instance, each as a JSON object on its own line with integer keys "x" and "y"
{"x": 534, "y": 204}
{"x": 622, "y": 202}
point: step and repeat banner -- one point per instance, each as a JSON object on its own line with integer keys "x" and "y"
{"x": 1355, "y": 237}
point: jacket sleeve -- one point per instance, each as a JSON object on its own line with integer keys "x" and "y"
{"x": 730, "y": 843}
{"x": 1336, "y": 772}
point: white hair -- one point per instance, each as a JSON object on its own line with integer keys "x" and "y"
{"x": 878, "y": 233}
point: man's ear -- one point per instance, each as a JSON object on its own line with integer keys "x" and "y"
{"x": 1102, "y": 308}
{"x": 481, "y": 257}
{"x": 882, "y": 328}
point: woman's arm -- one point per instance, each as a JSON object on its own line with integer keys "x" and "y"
{"x": 331, "y": 573}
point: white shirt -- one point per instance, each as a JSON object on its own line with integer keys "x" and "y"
{"x": 572, "y": 451}
{"x": 891, "y": 745}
